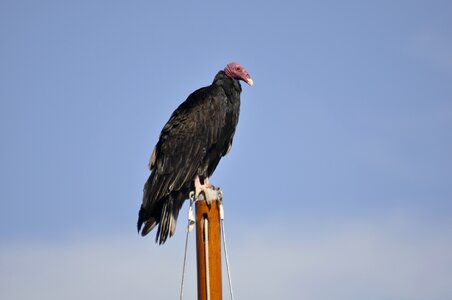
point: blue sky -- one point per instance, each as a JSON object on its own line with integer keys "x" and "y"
{"x": 342, "y": 152}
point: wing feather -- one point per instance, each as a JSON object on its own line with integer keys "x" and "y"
{"x": 184, "y": 141}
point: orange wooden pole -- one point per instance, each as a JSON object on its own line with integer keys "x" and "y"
{"x": 208, "y": 248}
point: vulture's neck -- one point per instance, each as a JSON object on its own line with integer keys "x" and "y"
{"x": 230, "y": 85}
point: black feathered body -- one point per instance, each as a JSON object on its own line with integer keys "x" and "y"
{"x": 197, "y": 135}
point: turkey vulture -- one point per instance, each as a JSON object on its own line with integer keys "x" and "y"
{"x": 191, "y": 144}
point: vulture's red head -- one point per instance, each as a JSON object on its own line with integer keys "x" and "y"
{"x": 234, "y": 70}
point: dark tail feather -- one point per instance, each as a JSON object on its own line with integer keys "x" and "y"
{"x": 148, "y": 219}
{"x": 149, "y": 215}
{"x": 165, "y": 215}
{"x": 170, "y": 211}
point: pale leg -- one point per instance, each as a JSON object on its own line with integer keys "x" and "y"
{"x": 203, "y": 188}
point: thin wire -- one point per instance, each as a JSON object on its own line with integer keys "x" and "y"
{"x": 226, "y": 251}
{"x": 189, "y": 225}
{"x": 183, "y": 268}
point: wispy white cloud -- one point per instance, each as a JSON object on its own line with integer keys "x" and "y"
{"x": 382, "y": 258}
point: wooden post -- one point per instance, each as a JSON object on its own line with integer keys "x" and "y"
{"x": 208, "y": 248}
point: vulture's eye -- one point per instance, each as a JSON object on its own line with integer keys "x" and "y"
{"x": 238, "y": 68}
